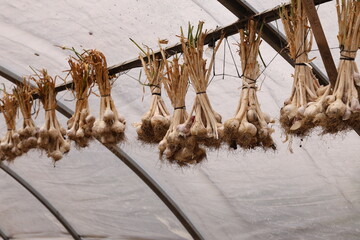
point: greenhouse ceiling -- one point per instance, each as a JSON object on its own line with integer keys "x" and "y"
{"x": 308, "y": 188}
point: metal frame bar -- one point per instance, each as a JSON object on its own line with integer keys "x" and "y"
{"x": 3, "y": 235}
{"x": 270, "y": 35}
{"x": 321, "y": 40}
{"x": 130, "y": 162}
{"x": 43, "y": 200}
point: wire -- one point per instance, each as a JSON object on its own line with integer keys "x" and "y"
{"x": 224, "y": 60}
{"x": 232, "y": 56}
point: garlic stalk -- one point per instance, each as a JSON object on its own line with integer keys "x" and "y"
{"x": 9, "y": 143}
{"x": 110, "y": 126}
{"x": 155, "y": 123}
{"x": 51, "y": 134}
{"x": 249, "y": 127}
{"x": 81, "y": 123}
{"x": 305, "y": 85}
{"x": 207, "y": 127}
{"x": 28, "y": 132}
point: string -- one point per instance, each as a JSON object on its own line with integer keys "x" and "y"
{"x": 224, "y": 60}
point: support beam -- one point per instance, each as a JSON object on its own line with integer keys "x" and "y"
{"x": 266, "y": 17}
{"x": 43, "y": 200}
{"x": 3, "y": 235}
{"x": 130, "y": 162}
{"x": 321, "y": 40}
{"x": 270, "y": 34}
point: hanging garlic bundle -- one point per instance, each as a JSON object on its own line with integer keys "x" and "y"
{"x": 341, "y": 107}
{"x": 110, "y": 126}
{"x": 306, "y": 88}
{"x": 178, "y": 145}
{"x": 155, "y": 123}
{"x": 9, "y": 143}
{"x": 81, "y": 123}
{"x": 207, "y": 127}
{"x": 249, "y": 128}
{"x": 29, "y": 131}
{"x": 51, "y": 134}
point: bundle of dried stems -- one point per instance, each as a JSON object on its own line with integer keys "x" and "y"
{"x": 28, "y": 132}
{"x": 249, "y": 127}
{"x": 178, "y": 145}
{"x": 156, "y": 121}
{"x": 9, "y": 143}
{"x": 110, "y": 126}
{"x": 51, "y": 134}
{"x": 207, "y": 127}
{"x": 81, "y": 123}
{"x": 296, "y": 115}
{"x": 339, "y": 109}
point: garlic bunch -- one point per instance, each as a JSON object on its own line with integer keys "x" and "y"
{"x": 9, "y": 143}
{"x": 28, "y": 132}
{"x": 249, "y": 128}
{"x": 155, "y": 123}
{"x": 51, "y": 134}
{"x": 306, "y": 88}
{"x": 179, "y": 146}
{"x": 344, "y": 108}
{"x": 109, "y": 128}
{"x": 81, "y": 123}
{"x": 207, "y": 127}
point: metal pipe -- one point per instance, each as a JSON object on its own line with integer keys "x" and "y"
{"x": 42, "y": 199}
{"x": 3, "y": 235}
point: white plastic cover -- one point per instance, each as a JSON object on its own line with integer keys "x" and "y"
{"x": 313, "y": 193}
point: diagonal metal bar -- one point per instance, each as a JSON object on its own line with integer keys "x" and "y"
{"x": 270, "y": 34}
{"x": 42, "y": 199}
{"x": 130, "y": 162}
{"x": 321, "y": 40}
{"x": 266, "y": 17}
{"x": 3, "y": 235}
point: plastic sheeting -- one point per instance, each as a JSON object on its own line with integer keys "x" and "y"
{"x": 310, "y": 194}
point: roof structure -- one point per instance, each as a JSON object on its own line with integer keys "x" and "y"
{"x": 126, "y": 192}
